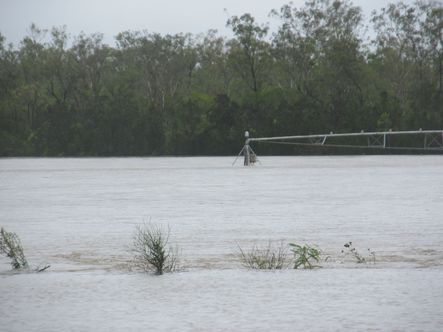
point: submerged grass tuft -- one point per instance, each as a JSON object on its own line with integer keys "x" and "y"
{"x": 268, "y": 258}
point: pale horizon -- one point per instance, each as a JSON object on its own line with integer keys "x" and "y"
{"x": 114, "y": 16}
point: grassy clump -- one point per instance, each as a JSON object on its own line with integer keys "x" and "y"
{"x": 11, "y": 247}
{"x": 268, "y": 258}
{"x": 152, "y": 250}
{"x": 304, "y": 255}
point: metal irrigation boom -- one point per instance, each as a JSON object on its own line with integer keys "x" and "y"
{"x": 433, "y": 140}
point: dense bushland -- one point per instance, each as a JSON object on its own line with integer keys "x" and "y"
{"x": 151, "y": 94}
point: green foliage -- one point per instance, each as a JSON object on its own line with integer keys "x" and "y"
{"x": 152, "y": 250}
{"x": 249, "y": 55}
{"x": 184, "y": 94}
{"x": 11, "y": 247}
{"x": 304, "y": 255}
{"x": 268, "y": 258}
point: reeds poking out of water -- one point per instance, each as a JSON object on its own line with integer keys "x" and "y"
{"x": 351, "y": 250}
{"x": 273, "y": 258}
{"x": 11, "y": 247}
{"x": 268, "y": 258}
{"x": 152, "y": 250}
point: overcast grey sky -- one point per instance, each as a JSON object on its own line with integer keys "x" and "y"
{"x": 113, "y": 16}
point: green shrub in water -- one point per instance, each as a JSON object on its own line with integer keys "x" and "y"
{"x": 152, "y": 250}
{"x": 304, "y": 255}
{"x": 11, "y": 247}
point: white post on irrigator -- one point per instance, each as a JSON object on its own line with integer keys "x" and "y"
{"x": 246, "y": 150}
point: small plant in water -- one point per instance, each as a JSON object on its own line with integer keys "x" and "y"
{"x": 350, "y": 249}
{"x": 304, "y": 255}
{"x": 372, "y": 254}
{"x": 152, "y": 250}
{"x": 11, "y": 247}
{"x": 268, "y": 258}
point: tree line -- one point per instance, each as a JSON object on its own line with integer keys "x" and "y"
{"x": 184, "y": 94}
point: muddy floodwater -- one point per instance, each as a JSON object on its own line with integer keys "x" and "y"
{"x": 79, "y": 216}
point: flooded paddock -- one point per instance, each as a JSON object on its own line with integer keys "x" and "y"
{"x": 79, "y": 215}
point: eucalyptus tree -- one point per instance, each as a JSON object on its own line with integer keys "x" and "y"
{"x": 212, "y": 73}
{"x": 30, "y": 98}
{"x": 93, "y": 95}
{"x": 163, "y": 69}
{"x": 408, "y": 55}
{"x": 433, "y": 28}
{"x": 165, "y": 63}
{"x": 11, "y": 121}
{"x": 319, "y": 50}
{"x": 93, "y": 60}
{"x": 9, "y": 70}
{"x": 33, "y": 89}
{"x": 61, "y": 76}
{"x": 249, "y": 51}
